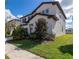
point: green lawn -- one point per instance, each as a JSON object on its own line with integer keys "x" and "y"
{"x": 61, "y": 48}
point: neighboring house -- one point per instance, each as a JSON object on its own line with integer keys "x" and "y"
{"x": 69, "y": 31}
{"x": 52, "y": 13}
{"x": 8, "y": 16}
{"x": 10, "y": 25}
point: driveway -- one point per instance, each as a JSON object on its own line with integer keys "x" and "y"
{"x": 16, "y": 53}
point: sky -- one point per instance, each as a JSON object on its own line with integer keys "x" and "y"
{"x": 19, "y": 8}
{"x": 69, "y": 22}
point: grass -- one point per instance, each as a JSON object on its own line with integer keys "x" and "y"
{"x": 6, "y": 57}
{"x": 61, "y": 48}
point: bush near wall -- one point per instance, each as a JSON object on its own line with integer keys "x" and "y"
{"x": 41, "y": 31}
{"x": 20, "y": 33}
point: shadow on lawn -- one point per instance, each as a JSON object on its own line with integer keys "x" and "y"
{"x": 24, "y": 44}
{"x": 67, "y": 49}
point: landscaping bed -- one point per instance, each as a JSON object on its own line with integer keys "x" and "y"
{"x": 60, "y": 48}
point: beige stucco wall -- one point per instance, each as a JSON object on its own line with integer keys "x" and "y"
{"x": 50, "y": 22}
{"x": 60, "y": 23}
{"x": 46, "y": 6}
{"x": 53, "y": 26}
{"x": 54, "y": 10}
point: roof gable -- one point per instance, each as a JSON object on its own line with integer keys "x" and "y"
{"x": 53, "y": 3}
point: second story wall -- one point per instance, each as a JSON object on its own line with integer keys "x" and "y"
{"x": 50, "y": 9}
{"x": 46, "y": 9}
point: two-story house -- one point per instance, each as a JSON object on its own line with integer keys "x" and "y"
{"x": 52, "y": 13}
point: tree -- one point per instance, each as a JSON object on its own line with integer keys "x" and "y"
{"x": 41, "y": 29}
{"x": 8, "y": 27}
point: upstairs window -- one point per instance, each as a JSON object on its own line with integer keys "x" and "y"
{"x": 29, "y": 17}
{"x": 24, "y": 20}
{"x": 31, "y": 28}
{"x": 45, "y": 11}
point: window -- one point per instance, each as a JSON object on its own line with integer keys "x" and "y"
{"x": 29, "y": 17}
{"x": 31, "y": 28}
{"x": 62, "y": 28}
{"x": 24, "y": 20}
{"x": 31, "y": 25}
{"x": 45, "y": 11}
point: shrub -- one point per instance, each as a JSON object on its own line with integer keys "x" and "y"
{"x": 7, "y": 31}
{"x": 20, "y": 33}
{"x": 41, "y": 29}
{"x": 32, "y": 36}
{"x": 50, "y": 37}
{"x": 8, "y": 27}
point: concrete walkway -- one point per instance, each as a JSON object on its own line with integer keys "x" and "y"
{"x": 16, "y": 53}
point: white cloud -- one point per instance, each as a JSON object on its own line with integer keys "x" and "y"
{"x": 8, "y": 15}
{"x": 68, "y": 7}
{"x": 59, "y": 1}
{"x": 65, "y": 3}
{"x": 69, "y": 22}
{"x": 68, "y": 14}
{"x": 19, "y": 16}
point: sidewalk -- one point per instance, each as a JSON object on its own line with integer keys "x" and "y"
{"x": 16, "y": 53}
